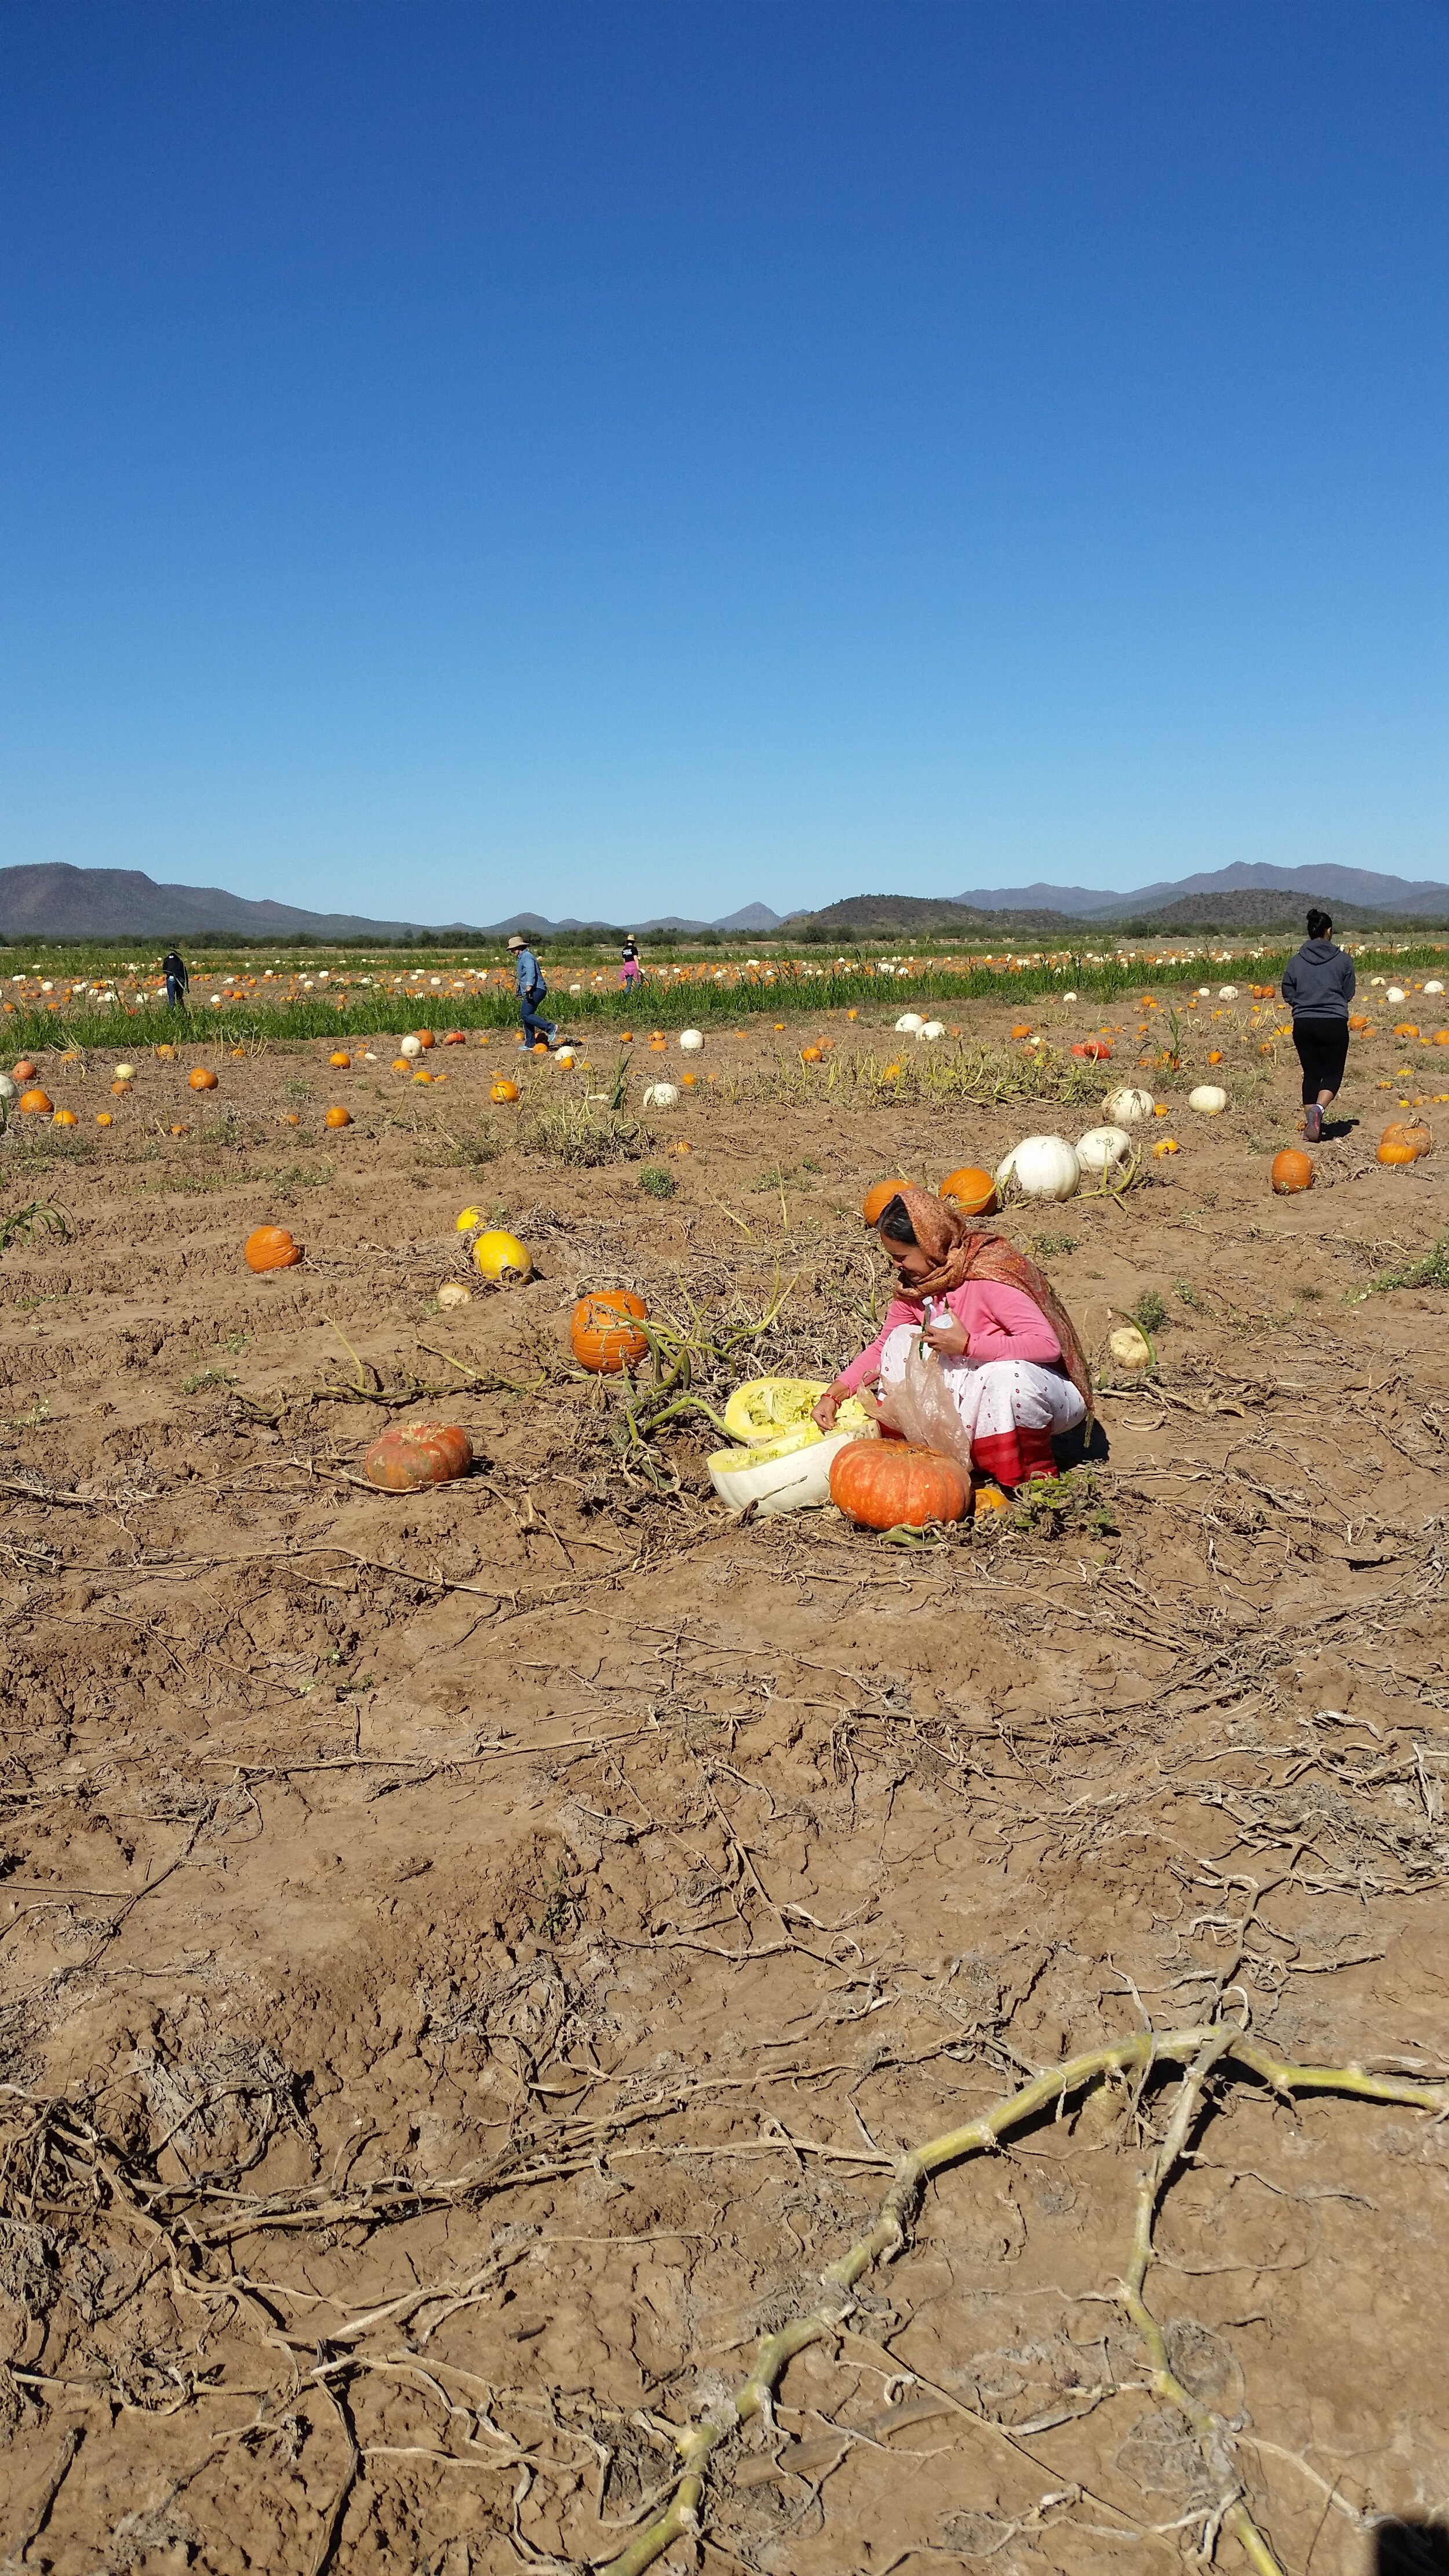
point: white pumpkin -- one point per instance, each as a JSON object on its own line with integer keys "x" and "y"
{"x": 124, "y": 1073}
{"x": 1128, "y": 1107}
{"x": 909, "y": 1025}
{"x": 1395, "y": 993}
{"x": 690, "y": 1041}
{"x": 1227, "y": 992}
{"x": 662, "y": 1095}
{"x": 1041, "y": 1167}
{"x": 8, "y": 1090}
{"x": 1069, "y": 997}
{"x": 410, "y": 1046}
{"x": 1207, "y": 1099}
{"x": 1435, "y": 987}
{"x": 786, "y": 1475}
{"x": 453, "y": 1293}
{"x": 1204, "y": 992}
{"x": 1103, "y": 1149}
{"x": 932, "y": 1029}
{"x": 1130, "y": 1348}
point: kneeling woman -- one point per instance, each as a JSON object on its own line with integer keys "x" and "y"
{"x": 1008, "y": 1354}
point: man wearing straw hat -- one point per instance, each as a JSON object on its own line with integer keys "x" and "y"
{"x": 528, "y": 976}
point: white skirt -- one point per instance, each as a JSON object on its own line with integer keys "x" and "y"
{"x": 1008, "y": 1409}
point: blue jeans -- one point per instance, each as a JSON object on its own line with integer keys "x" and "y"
{"x": 533, "y": 1027}
{"x": 175, "y": 994}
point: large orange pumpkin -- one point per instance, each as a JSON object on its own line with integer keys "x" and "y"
{"x": 1292, "y": 1171}
{"x": 38, "y": 1101}
{"x": 270, "y": 1247}
{"x": 898, "y": 1485}
{"x": 974, "y": 1191}
{"x": 338, "y": 1118}
{"x": 201, "y": 1078}
{"x": 501, "y": 1091}
{"x": 603, "y": 1335}
{"x": 410, "y": 1454}
{"x": 879, "y": 1196}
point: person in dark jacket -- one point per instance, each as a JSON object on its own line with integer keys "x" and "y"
{"x": 1319, "y": 983}
{"x": 174, "y": 969}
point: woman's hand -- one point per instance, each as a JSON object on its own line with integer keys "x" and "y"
{"x": 825, "y": 1411}
{"x": 945, "y": 1335}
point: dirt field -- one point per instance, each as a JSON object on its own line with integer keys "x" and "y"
{"x": 473, "y": 1961}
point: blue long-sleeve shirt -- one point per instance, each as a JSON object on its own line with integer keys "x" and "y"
{"x": 527, "y": 974}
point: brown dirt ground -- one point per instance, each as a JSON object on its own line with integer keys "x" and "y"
{"x": 472, "y": 1959}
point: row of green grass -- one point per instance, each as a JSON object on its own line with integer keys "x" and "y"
{"x": 663, "y": 1003}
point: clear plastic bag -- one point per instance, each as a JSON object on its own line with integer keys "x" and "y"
{"x": 922, "y": 1407}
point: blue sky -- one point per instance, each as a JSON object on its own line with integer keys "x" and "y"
{"x": 622, "y": 457}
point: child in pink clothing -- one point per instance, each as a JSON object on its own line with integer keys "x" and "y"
{"x": 1001, "y": 1358}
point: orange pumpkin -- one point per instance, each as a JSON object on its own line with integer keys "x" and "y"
{"x": 1022, "y": 1029}
{"x": 410, "y": 1454}
{"x": 879, "y": 1196}
{"x": 810, "y": 1055}
{"x": 270, "y": 1247}
{"x": 338, "y": 1118}
{"x": 24, "y": 1071}
{"x": 602, "y": 1333}
{"x": 974, "y": 1191}
{"x": 455, "y": 1037}
{"x": 38, "y": 1102}
{"x": 1095, "y": 1050}
{"x": 103, "y": 1117}
{"x": 1405, "y": 1029}
{"x": 421, "y": 1074}
{"x": 1358, "y": 1019}
{"x": 166, "y": 1052}
{"x": 201, "y": 1078}
{"x": 1441, "y": 1037}
{"x": 501, "y": 1091}
{"x": 402, "y": 1064}
{"x": 689, "y": 1082}
{"x": 425, "y": 1037}
{"x": 1405, "y": 1140}
{"x": 1292, "y": 1171}
{"x": 339, "y": 1062}
{"x": 626, "y": 1037}
{"x": 896, "y": 1484}
{"x": 1215, "y": 1055}
{"x": 64, "y": 1118}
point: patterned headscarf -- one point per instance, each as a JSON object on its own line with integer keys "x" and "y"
{"x": 957, "y": 1253}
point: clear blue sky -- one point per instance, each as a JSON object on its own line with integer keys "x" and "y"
{"x": 613, "y": 456}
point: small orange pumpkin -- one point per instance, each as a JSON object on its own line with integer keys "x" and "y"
{"x": 37, "y": 1102}
{"x": 603, "y": 1335}
{"x": 1391, "y": 1151}
{"x": 879, "y": 1196}
{"x": 810, "y": 1055}
{"x": 1215, "y": 1055}
{"x": 103, "y": 1118}
{"x": 166, "y": 1052}
{"x": 338, "y": 1118}
{"x": 1022, "y": 1029}
{"x": 455, "y": 1037}
{"x": 1358, "y": 1019}
{"x": 64, "y": 1118}
{"x": 270, "y": 1247}
{"x": 1405, "y": 1029}
{"x": 1292, "y": 1171}
{"x": 974, "y": 1191}
{"x": 402, "y": 1064}
{"x": 24, "y": 1071}
{"x": 339, "y": 1062}
{"x": 119, "y": 1090}
{"x": 425, "y": 1037}
{"x": 626, "y": 1037}
{"x": 410, "y": 1454}
{"x": 421, "y": 1074}
{"x": 501, "y": 1091}
{"x": 201, "y": 1078}
{"x": 1441, "y": 1037}
{"x": 689, "y": 1082}
{"x": 896, "y": 1484}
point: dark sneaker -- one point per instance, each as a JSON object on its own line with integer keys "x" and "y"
{"x": 1313, "y": 1124}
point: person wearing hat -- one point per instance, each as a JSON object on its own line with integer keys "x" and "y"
{"x": 528, "y": 976}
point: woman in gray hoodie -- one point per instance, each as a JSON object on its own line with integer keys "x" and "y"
{"x": 1319, "y": 983}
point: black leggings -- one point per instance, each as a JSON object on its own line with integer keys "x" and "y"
{"x": 1323, "y": 1052}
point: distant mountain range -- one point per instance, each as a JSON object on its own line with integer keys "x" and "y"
{"x": 59, "y": 902}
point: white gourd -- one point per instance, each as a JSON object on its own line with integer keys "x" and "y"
{"x": 1041, "y": 1167}
{"x": 661, "y": 1095}
{"x": 124, "y": 1073}
{"x": 8, "y": 1090}
{"x": 1207, "y": 1099}
{"x": 1435, "y": 987}
{"x": 1395, "y": 993}
{"x": 1227, "y": 992}
{"x": 1103, "y": 1149}
{"x": 909, "y": 1025}
{"x": 690, "y": 1041}
{"x": 932, "y": 1029}
{"x": 1128, "y": 1107}
{"x": 410, "y": 1046}
{"x": 1130, "y": 1348}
